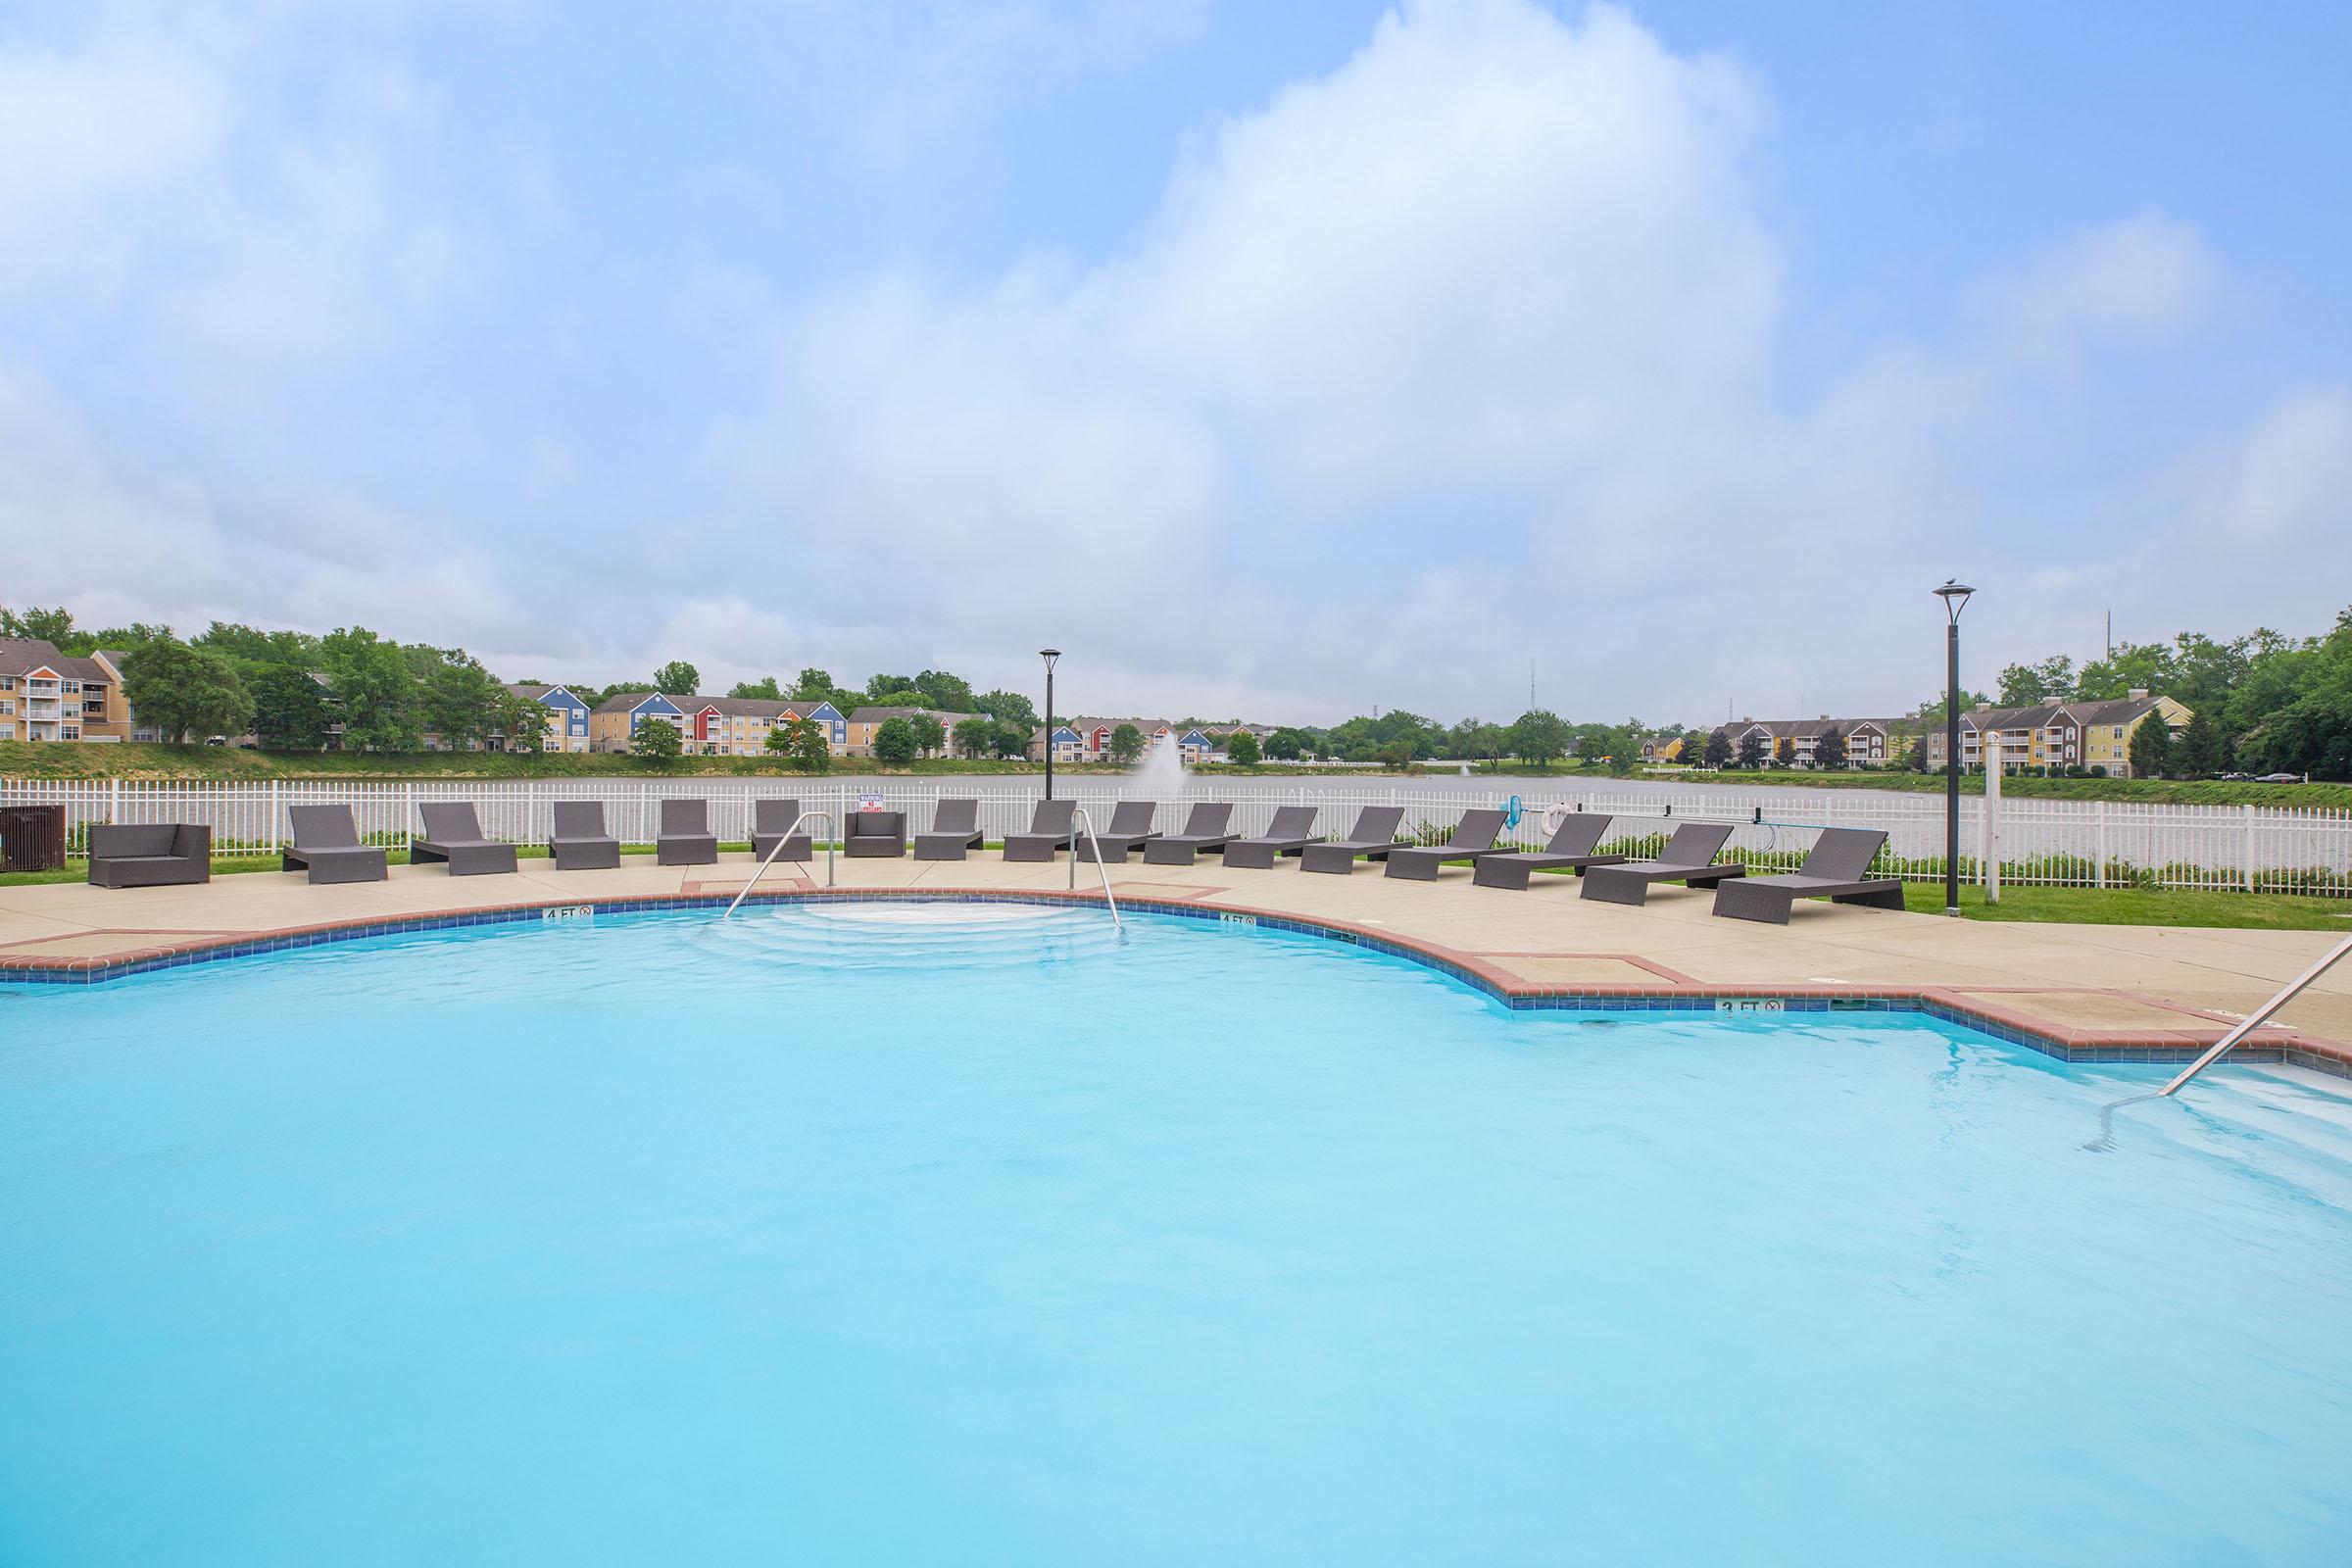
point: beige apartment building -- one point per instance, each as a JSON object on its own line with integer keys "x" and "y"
{"x": 49, "y": 696}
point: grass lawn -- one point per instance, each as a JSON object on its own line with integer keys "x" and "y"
{"x": 2272, "y": 912}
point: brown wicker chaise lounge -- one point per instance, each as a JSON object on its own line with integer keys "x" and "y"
{"x": 1049, "y": 830}
{"x": 453, "y": 834}
{"x": 1374, "y": 835}
{"x": 1832, "y": 870}
{"x": 954, "y": 832}
{"x": 1573, "y": 847}
{"x": 579, "y": 842}
{"x": 1205, "y": 831}
{"x": 327, "y": 843}
{"x": 770, "y": 821}
{"x": 686, "y": 838}
{"x": 1688, "y": 857}
{"x": 1290, "y": 833}
{"x": 150, "y": 855}
{"x": 1130, "y": 825}
{"x": 1473, "y": 836}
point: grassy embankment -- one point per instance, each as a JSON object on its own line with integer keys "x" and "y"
{"x": 21, "y": 759}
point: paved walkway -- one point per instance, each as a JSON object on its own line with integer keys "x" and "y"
{"x": 2082, "y": 984}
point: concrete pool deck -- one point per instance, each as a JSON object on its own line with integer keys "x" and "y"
{"x": 2083, "y": 988}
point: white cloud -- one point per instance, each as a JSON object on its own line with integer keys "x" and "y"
{"x": 2146, "y": 278}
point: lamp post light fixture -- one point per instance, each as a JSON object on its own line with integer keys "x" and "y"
{"x": 1049, "y": 655}
{"x": 1955, "y": 598}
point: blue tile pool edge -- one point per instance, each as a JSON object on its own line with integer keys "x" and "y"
{"x": 1664, "y": 998}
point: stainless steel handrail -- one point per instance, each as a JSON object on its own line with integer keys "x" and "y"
{"x": 781, "y": 845}
{"x": 1078, "y": 815}
{"x": 2260, "y": 1016}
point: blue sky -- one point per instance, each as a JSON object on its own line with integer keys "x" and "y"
{"x": 1271, "y": 359}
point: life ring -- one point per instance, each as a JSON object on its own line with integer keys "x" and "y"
{"x": 1555, "y": 817}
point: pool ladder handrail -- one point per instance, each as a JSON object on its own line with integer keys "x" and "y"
{"x": 781, "y": 845}
{"x": 2259, "y": 1016}
{"x": 1078, "y": 815}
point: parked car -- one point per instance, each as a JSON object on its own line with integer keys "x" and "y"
{"x": 2279, "y": 778}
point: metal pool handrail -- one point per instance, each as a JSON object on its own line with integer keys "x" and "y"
{"x": 779, "y": 849}
{"x": 2254, "y": 1019}
{"x": 1078, "y": 815}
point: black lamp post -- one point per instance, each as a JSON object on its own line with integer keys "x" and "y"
{"x": 1049, "y": 655}
{"x": 1955, "y": 600}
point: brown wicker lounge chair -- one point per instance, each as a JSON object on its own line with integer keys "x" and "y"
{"x": 1130, "y": 825}
{"x": 1049, "y": 831}
{"x": 326, "y": 845}
{"x": 1290, "y": 833}
{"x": 1473, "y": 836}
{"x": 579, "y": 842}
{"x": 954, "y": 832}
{"x": 686, "y": 838}
{"x": 770, "y": 821}
{"x": 1374, "y": 835}
{"x": 1689, "y": 859}
{"x": 1832, "y": 870}
{"x": 1574, "y": 847}
{"x": 453, "y": 834}
{"x": 1204, "y": 831}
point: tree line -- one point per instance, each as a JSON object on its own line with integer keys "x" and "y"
{"x": 2261, "y": 702}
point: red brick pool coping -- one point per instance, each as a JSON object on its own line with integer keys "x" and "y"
{"x": 1966, "y": 1004}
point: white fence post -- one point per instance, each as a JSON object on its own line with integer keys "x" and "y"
{"x": 2249, "y": 810}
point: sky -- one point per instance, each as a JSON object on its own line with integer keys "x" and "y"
{"x": 1273, "y": 361}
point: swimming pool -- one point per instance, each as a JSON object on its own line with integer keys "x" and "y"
{"x": 922, "y": 1233}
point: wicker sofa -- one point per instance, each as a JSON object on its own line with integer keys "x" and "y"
{"x": 150, "y": 855}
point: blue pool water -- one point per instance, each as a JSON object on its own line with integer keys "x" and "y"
{"x": 967, "y": 1234}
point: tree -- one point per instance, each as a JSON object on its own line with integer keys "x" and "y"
{"x": 184, "y": 691}
{"x": 1751, "y": 751}
{"x": 1830, "y": 750}
{"x": 817, "y": 686}
{"x": 763, "y": 689}
{"x": 2151, "y": 747}
{"x": 1285, "y": 745}
{"x": 976, "y": 737}
{"x": 896, "y": 741}
{"x": 883, "y": 691}
{"x": 1784, "y": 751}
{"x": 658, "y": 742}
{"x": 376, "y": 688}
{"x": 1010, "y": 707}
{"x": 804, "y": 741}
{"x": 947, "y": 693}
{"x": 1718, "y": 750}
{"x": 290, "y": 711}
{"x": 2202, "y": 752}
{"x": 1126, "y": 745}
{"x": 2051, "y": 680}
{"x": 40, "y": 625}
{"x": 1539, "y": 737}
{"x": 679, "y": 678}
{"x": 1013, "y": 740}
{"x": 459, "y": 699}
{"x": 1242, "y": 748}
{"x": 929, "y": 733}
{"x": 1398, "y": 753}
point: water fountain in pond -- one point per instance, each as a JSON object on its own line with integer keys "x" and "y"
{"x": 1160, "y": 776}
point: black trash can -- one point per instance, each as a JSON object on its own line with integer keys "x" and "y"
{"x": 32, "y": 837}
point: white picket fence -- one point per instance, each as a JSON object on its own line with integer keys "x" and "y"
{"x": 2051, "y": 843}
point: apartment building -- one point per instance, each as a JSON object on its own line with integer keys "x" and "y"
{"x": 1869, "y": 742}
{"x": 2059, "y": 735}
{"x": 49, "y": 696}
{"x": 866, "y": 722}
{"x": 567, "y": 716}
{"x": 711, "y": 726}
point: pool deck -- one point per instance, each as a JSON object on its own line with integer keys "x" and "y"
{"x": 2089, "y": 991}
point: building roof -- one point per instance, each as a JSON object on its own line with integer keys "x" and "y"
{"x": 876, "y": 715}
{"x": 626, "y": 701}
